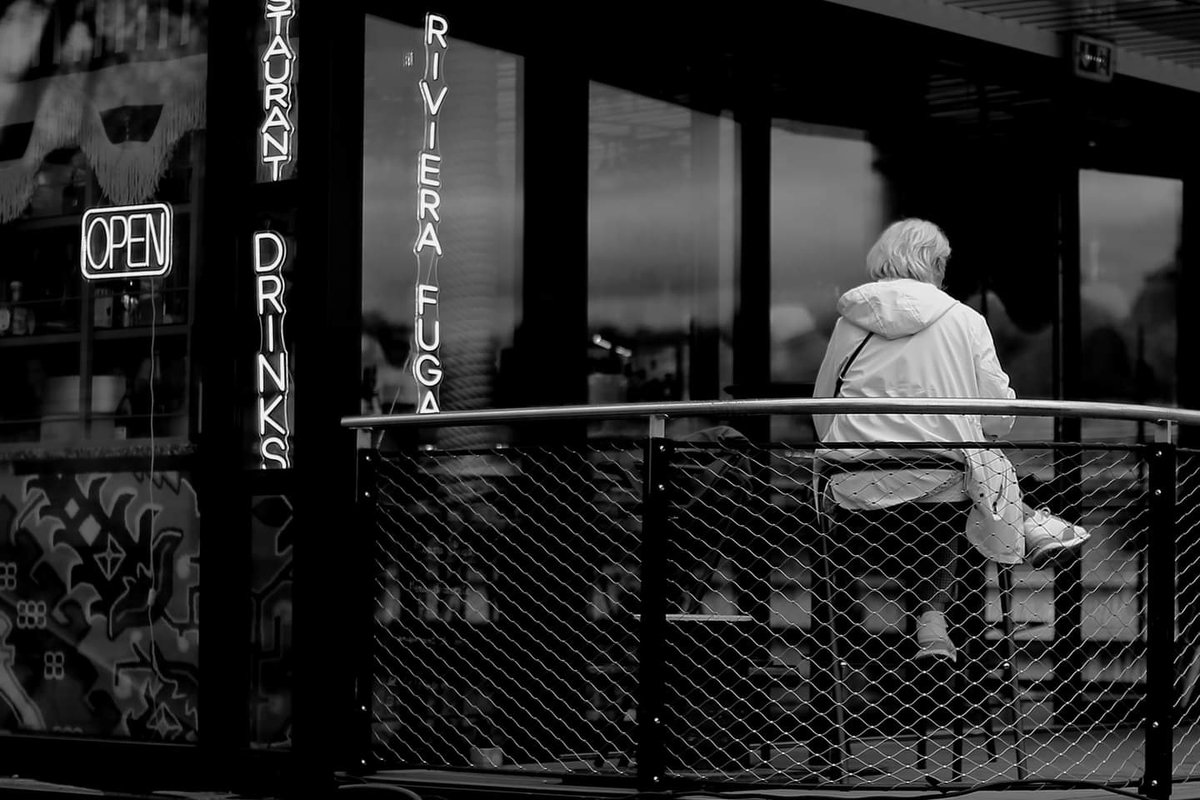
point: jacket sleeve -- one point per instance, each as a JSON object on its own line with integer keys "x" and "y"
{"x": 991, "y": 379}
{"x": 826, "y": 380}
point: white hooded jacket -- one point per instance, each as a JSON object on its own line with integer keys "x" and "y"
{"x": 926, "y": 344}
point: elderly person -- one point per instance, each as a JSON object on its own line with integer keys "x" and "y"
{"x": 902, "y": 336}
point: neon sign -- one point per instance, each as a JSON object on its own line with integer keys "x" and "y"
{"x": 427, "y": 366}
{"x": 126, "y": 242}
{"x": 275, "y": 134}
{"x": 273, "y": 376}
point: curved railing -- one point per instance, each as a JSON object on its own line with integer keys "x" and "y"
{"x": 682, "y": 609}
{"x": 733, "y": 408}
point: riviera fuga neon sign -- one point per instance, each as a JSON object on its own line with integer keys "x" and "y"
{"x": 427, "y": 366}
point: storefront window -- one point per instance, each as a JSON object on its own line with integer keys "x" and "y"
{"x": 661, "y": 244}
{"x": 102, "y": 111}
{"x": 1129, "y": 229}
{"x": 446, "y": 211}
{"x": 827, "y": 208}
{"x": 999, "y": 207}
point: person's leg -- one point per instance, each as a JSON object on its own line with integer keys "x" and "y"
{"x": 927, "y": 542}
{"x": 933, "y": 530}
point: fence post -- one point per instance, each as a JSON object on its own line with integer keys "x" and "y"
{"x": 1160, "y": 627}
{"x": 652, "y": 633}
{"x": 362, "y": 628}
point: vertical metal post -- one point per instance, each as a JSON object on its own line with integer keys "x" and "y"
{"x": 652, "y": 634}
{"x": 1160, "y": 625}
{"x": 363, "y": 624}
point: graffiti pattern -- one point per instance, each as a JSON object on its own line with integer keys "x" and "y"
{"x": 99, "y": 605}
{"x": 271, "y": 616}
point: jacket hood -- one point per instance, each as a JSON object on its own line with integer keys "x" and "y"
{"x": 895, "y": 308}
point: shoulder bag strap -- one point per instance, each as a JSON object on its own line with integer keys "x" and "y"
{"x": 841, "y": 378}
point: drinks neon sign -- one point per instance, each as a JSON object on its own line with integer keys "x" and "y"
{"x": 427, "y": 366}
{"x": 126, "y": 242}
{"x": 275, "y": 134}
{"x": 272, "y": 372}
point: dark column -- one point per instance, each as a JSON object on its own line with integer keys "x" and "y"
{"x": 752, "y": 310}
{"x": 327, "y": 322}
{"x": 552, "y": 119}
{"x": 1188, "y": 332}
{"x": 222, "y": 285}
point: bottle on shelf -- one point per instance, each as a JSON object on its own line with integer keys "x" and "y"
{"x": 22, "y": 316}
{"x": 129, "y": 305}
{"x": 75, "y": 192}
{"x": 102, "y": 308}
{"x": 5, "y": 314}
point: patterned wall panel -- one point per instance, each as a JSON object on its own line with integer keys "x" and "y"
{"x": 99, "y": 605}
{"x": 271, "y": 622}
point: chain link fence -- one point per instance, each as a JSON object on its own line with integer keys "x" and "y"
{"x": 1186, "y": 754}
{"x": 509, "y": 630}
{"x": 505, "y": 631}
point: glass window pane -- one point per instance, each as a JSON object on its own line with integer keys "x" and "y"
{"x": 101, "y": 104}
{"x": 477, "y": 224}
{"x": 661, "y": 242}
{"x": 1129, "y": 228}
{"x": 827, "y": 208}
{"x": 127, "y": 83}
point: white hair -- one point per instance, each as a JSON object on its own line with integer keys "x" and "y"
{"x": 910, "y": 248}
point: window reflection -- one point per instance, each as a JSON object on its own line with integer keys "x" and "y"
{"x": 101, "y": 104}
{"x": 661, "y": 243}
{"x": 1002, "y": 218}
{"x": 479, "y": 273}
{"x": 827, "y": 208}
{"x": 1024, "y": 340}
{"x": 1129, "y": 229}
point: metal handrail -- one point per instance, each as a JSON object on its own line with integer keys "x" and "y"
{"x": 801, "y": 405}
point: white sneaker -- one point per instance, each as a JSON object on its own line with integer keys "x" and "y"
{"x": 933, "y": 641}
{"x": 1048, "y": 536}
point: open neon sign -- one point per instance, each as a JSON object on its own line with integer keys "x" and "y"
{"x": 126, "y": 242}
{"x": 272, "y": 371}
{"x": 427, "y": 366}
{"x": 275, "y": 134}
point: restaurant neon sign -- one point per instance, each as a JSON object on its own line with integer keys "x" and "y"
{"x": 271, "y": 367}
{"x": 275, "y": 134}
{"x": 427, "y": 365}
